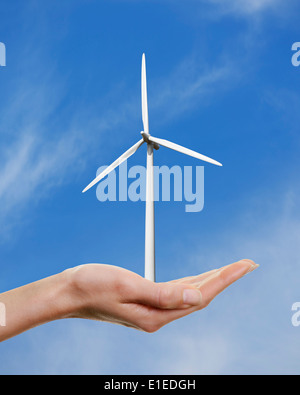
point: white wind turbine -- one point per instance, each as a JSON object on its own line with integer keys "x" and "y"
{"x": 152, "y": 142}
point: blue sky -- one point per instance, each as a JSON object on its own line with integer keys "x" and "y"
{"x": 220, "y": 81}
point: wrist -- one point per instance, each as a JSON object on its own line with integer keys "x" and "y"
{"x": 62, "y": 296}
{"x": 37, "y": 303}
{"x": 47, "y": 299}
{"x": 57, "y": 297}
{"x": 68, "y": 294}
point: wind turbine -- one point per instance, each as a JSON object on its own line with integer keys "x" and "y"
{"x": 152, "y": 143}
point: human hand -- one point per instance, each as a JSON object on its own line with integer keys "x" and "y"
{"x": 112, "y": 294}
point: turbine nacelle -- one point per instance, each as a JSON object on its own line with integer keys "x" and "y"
{"x": 146, "y": 137}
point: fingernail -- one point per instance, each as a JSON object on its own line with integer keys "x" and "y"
{"x": 251, "y": 268}
{"x": 244, "y": 267}
{"x": 192, "y": 297}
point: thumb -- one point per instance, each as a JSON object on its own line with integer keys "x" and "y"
{"x": 169, "y": 295}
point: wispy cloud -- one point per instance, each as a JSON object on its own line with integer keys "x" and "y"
{"x": 190, "y": 85}
{"x": 41, "y": 149}
{"x": 245, "y": 7}
{"x": 254, "y": 11}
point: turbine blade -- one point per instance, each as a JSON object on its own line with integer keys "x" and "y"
{"x": 144, "y": 96}
{"x": 115, "y": 164}
{"x": 183, "y": 150}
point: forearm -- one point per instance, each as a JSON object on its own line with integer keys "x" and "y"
{"x": 35, "y": 304}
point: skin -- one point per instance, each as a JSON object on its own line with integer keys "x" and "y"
{"x": 113, "y": 294}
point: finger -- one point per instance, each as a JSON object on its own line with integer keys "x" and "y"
{"x": 174, "y": 295}
{"x": 194, "y": 279}
{"x": 209, "y": 288}
{"x": 223, "y": 278}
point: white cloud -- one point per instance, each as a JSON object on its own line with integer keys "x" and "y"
{"x": 44, "y": 148}
{"x": 32, "y": 162}
{"x": 246, "y": 7}
{"x": 254, "y": 11}
{"x": 190, "y": 84}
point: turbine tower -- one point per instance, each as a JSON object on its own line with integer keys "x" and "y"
{"x": 152, "y": 143}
